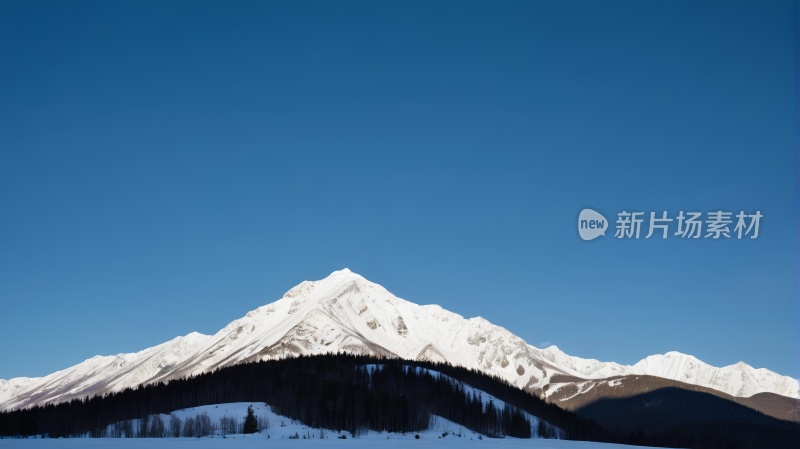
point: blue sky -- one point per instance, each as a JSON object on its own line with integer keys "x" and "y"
{"x": 167, "y": 167}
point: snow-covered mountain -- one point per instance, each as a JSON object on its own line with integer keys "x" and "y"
{"x": 345, "y": 312}
{"x": 100, "y": 374}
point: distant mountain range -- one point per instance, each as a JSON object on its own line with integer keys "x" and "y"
{"x": 345, "y": 312}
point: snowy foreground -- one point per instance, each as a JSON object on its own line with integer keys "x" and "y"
{"x": 370, "y": 442}
{"x": 281, "y": 428}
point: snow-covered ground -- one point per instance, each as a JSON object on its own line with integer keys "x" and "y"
{"x": 281, "y": 428}
{"x": 259, "y": 441}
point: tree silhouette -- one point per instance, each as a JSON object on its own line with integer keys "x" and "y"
{"x": 250, "y": 422}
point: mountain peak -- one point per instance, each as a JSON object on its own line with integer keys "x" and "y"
{"x": 344, "y": 274}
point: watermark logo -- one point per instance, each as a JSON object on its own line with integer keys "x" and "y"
{"x": 718, "y": 224}
{"x": 591, "y": 224}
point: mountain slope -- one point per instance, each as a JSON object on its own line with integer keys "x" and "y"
{"x": 345, "y": 312}
{"x": 100, "y": 374}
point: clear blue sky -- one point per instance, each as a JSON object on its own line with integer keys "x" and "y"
{"x": 165, "y": 167}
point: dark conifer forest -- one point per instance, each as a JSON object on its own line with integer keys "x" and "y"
{"x": 345, "y": 392}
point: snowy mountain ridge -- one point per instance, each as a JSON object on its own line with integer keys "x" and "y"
{"x": 345, "y": 312}
{"x": 99, "y": 374}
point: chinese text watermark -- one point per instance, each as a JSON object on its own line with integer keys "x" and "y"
{"x": 686, "y": 224}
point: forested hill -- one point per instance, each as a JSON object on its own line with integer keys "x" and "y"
{"x": 331, "y": 391}
{"x": 340, "y": 392}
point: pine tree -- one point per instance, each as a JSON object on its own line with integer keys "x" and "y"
{"x": 250, "y": 422}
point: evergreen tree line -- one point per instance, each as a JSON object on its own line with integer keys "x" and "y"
{"x": 345, "y": 392}
{"x": 333, "y": 392}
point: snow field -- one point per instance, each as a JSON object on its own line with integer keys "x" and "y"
{"x": 258, "y": 442}
{"x": 281, "y": 428}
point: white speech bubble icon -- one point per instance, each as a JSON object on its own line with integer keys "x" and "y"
{"x": 591, "y": 224}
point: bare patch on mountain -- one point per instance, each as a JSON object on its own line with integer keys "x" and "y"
{"x": 400, "y": 325}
